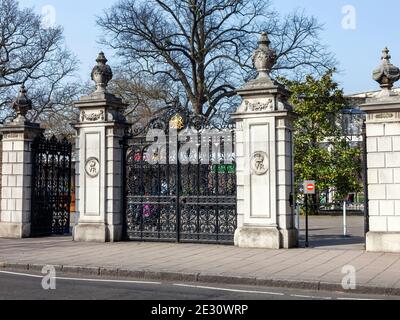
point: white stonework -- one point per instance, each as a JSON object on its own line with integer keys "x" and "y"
{"x": 264, "y": 160}
{"x": 266, "y": 219}
{"x": 15, "y": 214}
{"x": 99, "y": 168}
{"x": 383, "y": 137}
{"x": 99, "y": 165}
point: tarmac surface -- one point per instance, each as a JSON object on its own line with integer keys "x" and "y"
{"x": 28, "y": 286}
{"x": 323, "y": 267}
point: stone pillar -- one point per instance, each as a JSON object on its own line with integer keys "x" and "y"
{"x": 264, "y": 151}
{"x": 99, "y": 161}
{"x": 15, "y": 215}
{"x": 383, "y": 161}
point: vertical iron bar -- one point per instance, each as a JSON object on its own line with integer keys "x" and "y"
{"x": 143, "y": 186}
{"x": 217, "y": 186}
{"x": 33, "y": 187}
{"x": 52, "y": 186}
{"x": 57, "y": 181}
{"x": 159, "y": 189}
{"x": 47, "y": 180}
{"x": 198, "y": 189}
{"x": 70, "y": 177}
{"x": 178, "y": 192}
{"x": 306, "y": 207}
{"x": 169, "y": 191}
{"x": 124, "y": 199}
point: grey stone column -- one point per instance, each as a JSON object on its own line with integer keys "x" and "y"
{"x": 383, "y": 161}
{"x": 15, "y": 215}
{"x": 99, "y": 161}
{"x": 264, "y": 151}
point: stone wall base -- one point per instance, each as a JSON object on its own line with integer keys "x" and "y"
{"x": 265, "y": 238}
{"x": 383, "y": 242}
{"x": 289, "y": 238}
{"x": 97, "y": 232}
{"x": 15, "y": 230}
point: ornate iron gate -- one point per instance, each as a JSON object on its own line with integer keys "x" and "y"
{"x": 183, "y": 201}
{"x": 51, "y": 186}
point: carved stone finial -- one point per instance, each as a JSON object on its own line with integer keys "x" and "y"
{"x": 102, "y": 73}
{"x": 264, "y": 57}
{"x": 22, "y": 105}
{"x": 386, "y": 74}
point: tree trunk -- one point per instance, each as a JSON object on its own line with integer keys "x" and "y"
{"x": 198, "y": 108}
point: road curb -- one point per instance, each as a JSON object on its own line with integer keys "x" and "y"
{"x": 202, "y": 278}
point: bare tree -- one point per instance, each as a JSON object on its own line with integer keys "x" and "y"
{"x": 143, "y": 96}
{"x": 54, "y": 108}
{"x": 33, "y": 55}
{"x": 204, "y": 47}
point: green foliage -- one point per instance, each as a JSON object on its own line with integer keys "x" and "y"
{"x": 347, "y": 162}
{"x": 322, "y": 152}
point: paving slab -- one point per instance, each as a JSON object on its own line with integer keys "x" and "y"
{"x": 315, "y": 268}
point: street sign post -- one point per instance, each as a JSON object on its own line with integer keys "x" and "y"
{"x": 309, "y": 188}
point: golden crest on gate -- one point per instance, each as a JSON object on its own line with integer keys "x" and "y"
{"x": 177, "y": 122}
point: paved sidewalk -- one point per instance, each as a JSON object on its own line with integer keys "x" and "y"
{"x": 317, "y": 269}
{"x": 326, "y": 232}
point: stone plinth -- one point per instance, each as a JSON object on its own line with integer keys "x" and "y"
{"x": 264, "y": 156}
{"x": 99, "y": 168}
{"x": 15, "y": 215}
{"x": 264, "y": 151}
{"x": 383, "y": 160}
{"x": 101, "y": 128}
{"x": 383, "y": 147}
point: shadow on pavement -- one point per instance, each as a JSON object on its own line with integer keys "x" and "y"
{"x": 327, "y": 231}
{"x": 330, "y": 240}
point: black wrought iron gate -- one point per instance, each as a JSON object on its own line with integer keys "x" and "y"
{"x": 174, "y": 200}
{"x": 51, "y": 186}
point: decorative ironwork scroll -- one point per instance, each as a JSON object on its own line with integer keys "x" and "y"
{"x": 179, "y": 202}
{"x": 51, "y": 186}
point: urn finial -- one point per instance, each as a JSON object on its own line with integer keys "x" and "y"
{"x": 387, "y": 73}
{"x": 264, "y": 57}
{"x": 22, "y": 105}
{"x": 102, "y": 73}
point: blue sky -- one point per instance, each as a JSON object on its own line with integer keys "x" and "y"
{"x": 357, "y": 50}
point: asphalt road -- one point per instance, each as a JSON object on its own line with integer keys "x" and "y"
{"x": 17, "y": 285}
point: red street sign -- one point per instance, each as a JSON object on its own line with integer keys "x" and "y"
{"x": 309, "y": 187}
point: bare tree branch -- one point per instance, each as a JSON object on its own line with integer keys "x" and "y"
{"x": 205, "y": 46}
{"x": 35, "y": 56}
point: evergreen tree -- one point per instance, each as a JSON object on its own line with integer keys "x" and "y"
{"x": 322, "y": 150}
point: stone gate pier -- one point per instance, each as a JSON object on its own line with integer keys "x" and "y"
{"x": 383, "y": 147}
{"x": 15, "y": 214}
{"x": 99, "y": 167}
{"x": 264, "y": 156}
